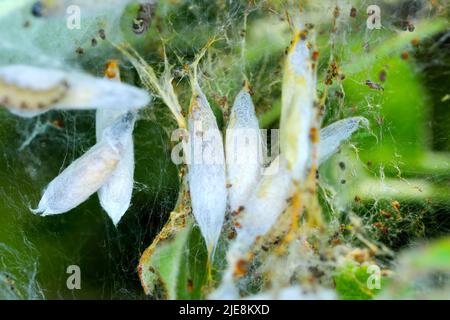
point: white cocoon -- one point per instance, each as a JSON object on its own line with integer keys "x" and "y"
{"x": 206, "y": 169}
{"x": 88, "y": 173}
{"x": 261, "y": 211}
{"x": 115, "y": 194}
{"x": 333, "y": 135}
{"x": 28, "y": 91}
{"x": 243, "y": 149}
{"x": 266, "y": 203}
{"x": 298, "y": 94}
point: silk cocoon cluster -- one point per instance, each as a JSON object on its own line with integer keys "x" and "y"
{"x": 87, "y": 174}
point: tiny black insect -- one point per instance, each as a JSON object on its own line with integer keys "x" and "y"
{"x": 102, "y": 34}
{"x": 38, "y": 9}
{"x": 144, "y": 18}
{"x": 79, "y": 51}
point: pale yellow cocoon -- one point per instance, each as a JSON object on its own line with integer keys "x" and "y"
{"x": 297, "y": 107}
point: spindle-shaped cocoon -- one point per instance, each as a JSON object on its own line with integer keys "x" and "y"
{"x": 297, "y": 106}
{"x": 206, "y": 169}
{"x": 243, "y": 150}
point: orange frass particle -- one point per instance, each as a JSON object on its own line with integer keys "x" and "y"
{"x": 314, "y": 135}
{"x": 404, "y": 55}
{"x": 386, "y": 214}
{"x": 58, "y": 123}
{"x": 240, "y": 269}
{"x": 315, "y": 55}
{"x": 190, "y": 285}
{"x": 112, "y": 69}
{"x": 396, "y": 205}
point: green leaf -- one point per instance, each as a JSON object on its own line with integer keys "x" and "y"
{"x": 393, "y": 45}
{"x": 176, "y": 267}
{"x": 351, "y": 283}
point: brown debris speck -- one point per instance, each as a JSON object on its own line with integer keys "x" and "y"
{"x": 382, "y": 75}
{"x": 396, "y": 205}
{"x": 374, "y": 85}
{"x": 79, "y": 50}
{"x": 415, "y": 42}
{"x": 336, "y": 12}
{"x": 314, "y": 135}
{"x": 315, "y": 55}
{"x": 102, "y": 34}
{"x": 190, "y": 285}
{"x": 386, "y": 214}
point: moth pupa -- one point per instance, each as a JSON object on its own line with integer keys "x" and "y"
{"x": 206, "y": 169}
{"x": 28, "y": 91}
{"x": 115, "y": 194}
{"x": 298, "y": 94}
{"x": 88, "y": 173}
{"x": 332, "y": 136}
{"x": 243, "y": 150}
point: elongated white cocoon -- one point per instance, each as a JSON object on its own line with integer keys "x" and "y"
{"x": 115, "y": 194}
{"x": 261, "y": 211}
{"x": 206, "y": 174}
{"x": 89, "y": 172}
{"x": 297, "y": 107}
{"x": 28, "y": 91}
{"x": 243, "y": 149}
{"x": 265, "y": 204}
{"x": 333, "y": 135}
